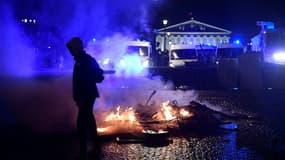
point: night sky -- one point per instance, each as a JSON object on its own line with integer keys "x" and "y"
{"x": 238, "y": 16}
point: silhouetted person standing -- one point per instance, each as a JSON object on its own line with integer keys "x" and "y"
{"x": 86, "y": 73}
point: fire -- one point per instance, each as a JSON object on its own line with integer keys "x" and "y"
{"x": 125, "y": 120}
{"x": 184, "y": 113}
{"x": 120, "y": 120}
{"x": 168, "y": 111}
{"x": 102, "y": 130}
{"x": 127, "y": 115}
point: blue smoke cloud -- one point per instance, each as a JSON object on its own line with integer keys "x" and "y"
{"x": 16, "y": 53}
{"x": 58, "y": 20}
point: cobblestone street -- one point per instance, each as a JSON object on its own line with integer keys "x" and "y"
{"x": 254, "y": 139}
{"x": 260, "y": 137}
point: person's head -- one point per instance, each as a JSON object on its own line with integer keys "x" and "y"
{"x": 75, "y": 46}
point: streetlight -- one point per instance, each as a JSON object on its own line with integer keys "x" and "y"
{"x": 165, "y": 21}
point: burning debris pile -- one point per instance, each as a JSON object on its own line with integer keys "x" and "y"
{"x": 156, "y": 121}
{"x": 143, "y": 119}
{"x": 120, "y": 121}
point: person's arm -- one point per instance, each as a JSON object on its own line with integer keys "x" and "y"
{"x": 96, "y": 72}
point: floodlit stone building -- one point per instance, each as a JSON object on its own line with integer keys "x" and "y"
{"x": 191, "y": 32}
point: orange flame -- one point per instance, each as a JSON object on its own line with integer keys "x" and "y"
{"x": 185, "y": 114}
{"x": 102, "y": 130}
{"x": 127, "y": 115}
{"x": 120, "y": 121}
{"x": 168, "y": 111}
{"x": 125, "y": 120}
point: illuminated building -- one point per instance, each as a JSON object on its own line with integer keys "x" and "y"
{"x": 191, "y": 32}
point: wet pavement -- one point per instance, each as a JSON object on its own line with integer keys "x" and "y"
{"x": 259, "y": 137}
{"x": 255, "y": 138}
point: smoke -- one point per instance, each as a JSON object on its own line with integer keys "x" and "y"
{"x": 16, "y": 51}
{"x": 44, "y": 103}
{"x": 128, "y": 91}
{"x": 121, "y": 54}
{"x": 34, "y": 35}
{"x": 134, "y": 92}
{"x": 41, "y": 44}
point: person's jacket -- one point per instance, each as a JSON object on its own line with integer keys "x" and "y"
{"x": 86, "y": 73}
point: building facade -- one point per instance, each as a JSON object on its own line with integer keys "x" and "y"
{"x": 191, "y": 32}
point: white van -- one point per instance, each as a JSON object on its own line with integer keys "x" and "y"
{"x": 140, "y": 48}
{"x": 189, "y": 55}
{"x": 182, "y": 55}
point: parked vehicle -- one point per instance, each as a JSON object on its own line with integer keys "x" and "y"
{"x": 189, "y": 55}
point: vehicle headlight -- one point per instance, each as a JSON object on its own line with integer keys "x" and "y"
{"x": 123, "y": 63}
{"x": 146, "y": 63}
{"x": 106, "y": 61}
{"x": 279, "y": 56}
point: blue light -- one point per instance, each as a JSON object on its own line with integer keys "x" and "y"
{"x": 229, "y": 126}
{"x": 131, "y": 65}
{"x": 270, "y": 25}
{"x": 237, "y": 41}
{"x": 94, "y": 39}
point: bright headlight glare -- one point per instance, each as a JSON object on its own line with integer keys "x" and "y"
{"x": 123, "y": 63}
{"x": 106, "y": 61}
{"x": 279, "y": 56}
{"x": 145, "y": 63}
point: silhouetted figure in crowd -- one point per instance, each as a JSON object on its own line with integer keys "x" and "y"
{"x": 86, "y": 73}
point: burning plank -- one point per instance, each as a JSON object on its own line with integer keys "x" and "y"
{"x": 120, "y": 121}
{"x": 192, "y": 117}
{"x": 129, "y": 120}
